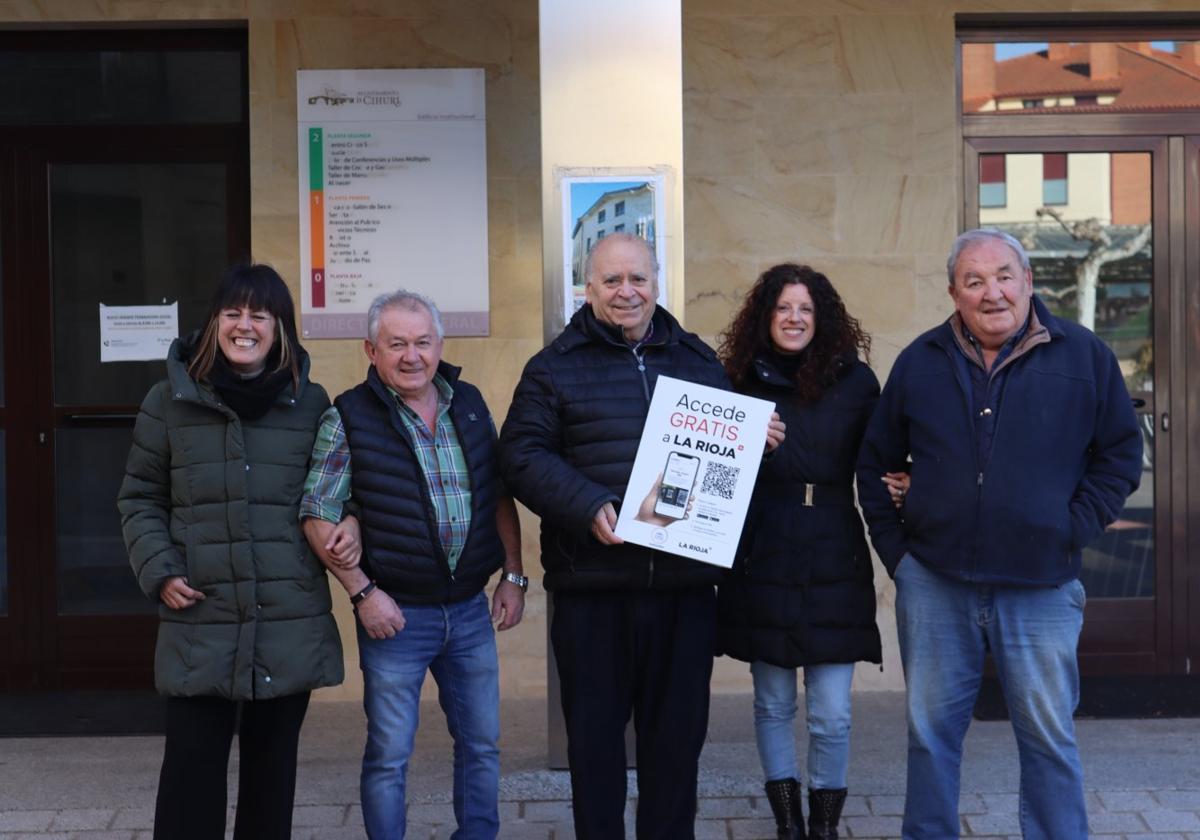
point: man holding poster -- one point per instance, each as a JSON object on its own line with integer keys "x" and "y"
{"x": 634, "y": 627}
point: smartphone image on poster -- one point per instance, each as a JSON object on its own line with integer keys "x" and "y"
{"x": 678, "y": 478}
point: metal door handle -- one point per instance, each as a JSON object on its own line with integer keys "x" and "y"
{"x": 109, "y": 416}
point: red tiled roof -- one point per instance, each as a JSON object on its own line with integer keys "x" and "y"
{"x": 1153, "y": 81}
{"x": 1036, "y": 75}
{"x": 1158, "y": 80}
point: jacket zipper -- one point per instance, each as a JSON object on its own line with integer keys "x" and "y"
{"x": 995, "y": 430}
{"x": 641, "y": 366}
{"x": 974, "y": 453}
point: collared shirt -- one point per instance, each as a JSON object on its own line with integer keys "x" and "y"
{"x": 644, "y": 340}
{"x": 439, "y": 454}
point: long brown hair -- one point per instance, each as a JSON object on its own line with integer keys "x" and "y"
{"x": 838, "y": 334}
{"x": 257, "y": 287}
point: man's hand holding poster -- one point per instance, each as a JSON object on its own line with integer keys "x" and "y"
{"x": 695, "y": 471}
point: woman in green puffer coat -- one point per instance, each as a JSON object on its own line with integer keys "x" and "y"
{"x": 209, "y": 512}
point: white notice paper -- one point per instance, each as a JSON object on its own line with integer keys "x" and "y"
{"x": 694, "y": 472}
{"x": 137, "y": 333}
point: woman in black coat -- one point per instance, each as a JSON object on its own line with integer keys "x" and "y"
{"x": 801, "y": 594}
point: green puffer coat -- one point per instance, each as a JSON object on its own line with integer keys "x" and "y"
{"x": 216, "y": 499}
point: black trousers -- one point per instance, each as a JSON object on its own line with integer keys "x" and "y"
{"x": 649, "y": 654}
{"x": 191, "y": 787}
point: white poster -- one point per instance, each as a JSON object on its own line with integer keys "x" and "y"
{"x": 137, "y": 333}
{"x": 694, "y": 472}
{"x": 393, "y": 194}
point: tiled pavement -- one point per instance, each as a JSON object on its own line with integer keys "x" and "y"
{"x": 1162, "y": 815}
{"x": 1143, "y": 779}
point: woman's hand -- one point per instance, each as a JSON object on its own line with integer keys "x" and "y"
{"x": 776, "y": 431}
{"x": 345, "y": 544}
{"x": 177, "y": 595}
{"x": 897, "y": 485}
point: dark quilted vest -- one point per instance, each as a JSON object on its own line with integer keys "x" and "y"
{"x": 401, "y": 549}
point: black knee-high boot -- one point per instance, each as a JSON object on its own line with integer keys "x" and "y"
{"x": 824, "y": 811}
{"x": 784, "y": 796}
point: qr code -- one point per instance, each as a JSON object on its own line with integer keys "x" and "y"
{"x": 720, "y": 480}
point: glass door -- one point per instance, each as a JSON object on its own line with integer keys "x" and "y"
{"x": 1094, "y": 215}
{"x": 121, "y": 233}
{"x": 146, "y": 202}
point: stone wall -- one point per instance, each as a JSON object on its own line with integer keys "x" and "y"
{"x": 822, "y": 131}
{"x": 825, "y": 134}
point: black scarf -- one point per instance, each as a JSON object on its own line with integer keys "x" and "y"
{"x": 249, "y": 398}
{"x": 786, "y": 364}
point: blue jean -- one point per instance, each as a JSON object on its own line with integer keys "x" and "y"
{"x": 456, "y": 643}
{"x": 827, "y": 702}
{"x": 945, "y": 628}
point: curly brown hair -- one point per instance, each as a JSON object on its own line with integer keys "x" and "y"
{"x": 839, "y": 335}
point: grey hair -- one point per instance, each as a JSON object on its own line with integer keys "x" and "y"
{"x": 974, "y": 237}
{"x": 402, "y": 299}
{"x": 621, "y": 236}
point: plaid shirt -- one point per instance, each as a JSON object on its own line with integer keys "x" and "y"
{"x": 439, "y": 454}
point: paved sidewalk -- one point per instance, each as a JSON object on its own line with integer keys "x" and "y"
{"x": 1142, "y": 776}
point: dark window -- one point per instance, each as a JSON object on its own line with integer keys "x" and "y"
{"x": 619, "y": 209}
{"x": 600, "y": 217}
{"x": 106, "y": 86}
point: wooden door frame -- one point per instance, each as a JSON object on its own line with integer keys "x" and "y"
{"x": 1188, "y": 633}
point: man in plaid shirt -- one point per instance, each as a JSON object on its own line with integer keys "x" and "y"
{"x": 413, "y": 450}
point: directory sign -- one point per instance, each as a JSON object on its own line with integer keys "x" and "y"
{"x": 393, "y": 194}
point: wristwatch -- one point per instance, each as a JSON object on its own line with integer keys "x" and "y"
{"x": 362, "y": 594}
{"x": 519, "y": 580}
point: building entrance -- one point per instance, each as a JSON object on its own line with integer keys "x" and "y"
{"x": 1083, "y": 146}
{"x": 123, "y": 182}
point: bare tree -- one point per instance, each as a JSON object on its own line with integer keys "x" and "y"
{"x": 1100, "y": 251}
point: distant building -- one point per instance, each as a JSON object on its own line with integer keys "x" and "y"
{"x": 1112, "y": 188}
{"x": 1092, "y": 78}
{"x": 629, "y": 210}
{"x": 1089, "y": 78}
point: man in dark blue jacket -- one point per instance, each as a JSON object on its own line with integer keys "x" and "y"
{"x": 1023, "y": 446}
{"x": 634, "y": 629}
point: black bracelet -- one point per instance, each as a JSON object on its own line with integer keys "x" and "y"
{"x": 355, "y": 600}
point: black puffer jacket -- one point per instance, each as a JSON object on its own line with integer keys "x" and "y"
{"x": 572, "y": 434}
{"x": 802, "y": 591}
